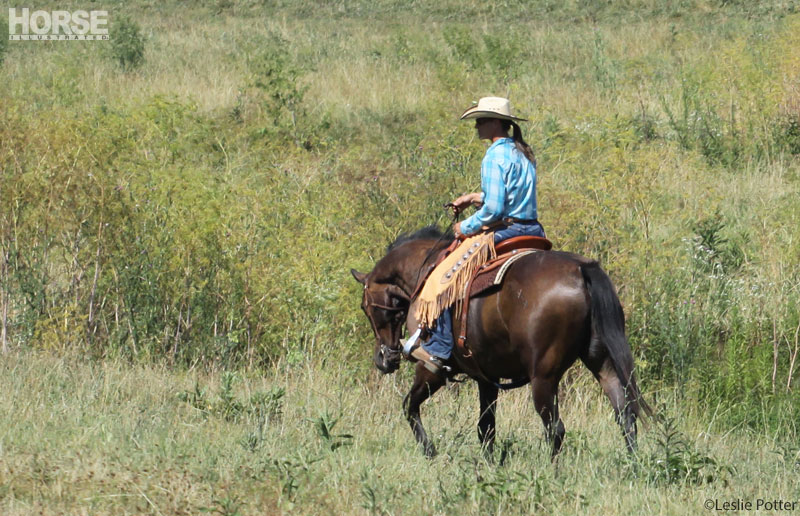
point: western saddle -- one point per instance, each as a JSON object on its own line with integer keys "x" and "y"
{"x": 488, "y": 275}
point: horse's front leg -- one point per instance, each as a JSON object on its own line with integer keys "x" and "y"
{"x": 486, "y": 421}
{"x": 425, "y": 384}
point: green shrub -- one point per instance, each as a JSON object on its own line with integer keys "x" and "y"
{"x": 3, "y": 38}
{"x": 127, "y": 43}
{"x": 677, "y": 461}
{"x": 713, "y": 251}
{"x": 463, "y": 46}
{"x": 604, "y": 68}
{"x": 277, "y": 80}
{"x": 697, "y": 125}
{"x": 787, "y": 133}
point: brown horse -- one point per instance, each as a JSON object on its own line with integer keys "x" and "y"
{"x": 551, "y": 309}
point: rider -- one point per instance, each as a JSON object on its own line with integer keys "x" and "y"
{"x": 507, "y": 202}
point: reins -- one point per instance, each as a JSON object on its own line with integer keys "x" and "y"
{"x": 368, "y": 296}
{"x": 456, "y": 213}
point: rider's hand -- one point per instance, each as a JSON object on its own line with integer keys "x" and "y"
{"x": 465, "y": 200}
{"x": 457, "y": 230}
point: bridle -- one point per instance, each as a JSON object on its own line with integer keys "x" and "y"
{"x": 370, "y": 303}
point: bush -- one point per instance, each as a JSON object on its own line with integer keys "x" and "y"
{"x": 677, "y": 460}
{"x": 276, "y": 79}
{"x": 3, "y": 38}
{"x": 127, "y": 43}
{"x": 787, "y": 132}
{"x": 697, "y": 125}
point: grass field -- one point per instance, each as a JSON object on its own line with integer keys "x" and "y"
{"x": 180, "y": 208}
{"x": 110, "y": 438}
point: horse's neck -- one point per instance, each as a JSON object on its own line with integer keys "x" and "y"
{"x": 415, "y": 265}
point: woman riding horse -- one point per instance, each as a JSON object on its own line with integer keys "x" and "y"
{"x": 551, "y": 308}
{"x": 507, "y": 202}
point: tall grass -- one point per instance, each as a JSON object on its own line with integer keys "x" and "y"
{"x": 309, "y": 438}
{"x": 169, "y": 210}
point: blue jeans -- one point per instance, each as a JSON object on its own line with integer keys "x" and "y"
{"x": 440, "y": 344}
{"x": 517, "y": 229}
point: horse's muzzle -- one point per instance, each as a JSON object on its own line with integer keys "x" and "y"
{"x": 387, "y": 360}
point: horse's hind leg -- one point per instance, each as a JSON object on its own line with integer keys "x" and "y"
{"x": 486, "y": 421}
{"x": 425, "y": 384}
{"x": 607, "y": 377}
{"x": 546, "y": 402}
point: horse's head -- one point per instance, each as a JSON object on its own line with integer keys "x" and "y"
{"x": 388, "y": 287}
{"x": 386, "y": 307}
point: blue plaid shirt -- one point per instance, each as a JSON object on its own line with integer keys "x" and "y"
{"x": 508, "y": 181}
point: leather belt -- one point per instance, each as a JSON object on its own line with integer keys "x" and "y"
{"x": 512, "y": 220}
{"x": 507, "y": 221}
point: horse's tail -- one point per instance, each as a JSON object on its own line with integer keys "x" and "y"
{"x": 608, "y": 327}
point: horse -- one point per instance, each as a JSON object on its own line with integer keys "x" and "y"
{"x": 551, "y": 309}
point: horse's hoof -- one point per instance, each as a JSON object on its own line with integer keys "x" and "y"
{"x": 430, "y": 452}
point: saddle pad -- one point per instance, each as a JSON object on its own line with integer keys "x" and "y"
{"x": 494, "y": 276}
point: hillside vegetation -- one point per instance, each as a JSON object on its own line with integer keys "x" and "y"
{"x": 191, "y": 196}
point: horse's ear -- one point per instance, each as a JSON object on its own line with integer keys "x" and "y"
{"x": 359, "y": 276}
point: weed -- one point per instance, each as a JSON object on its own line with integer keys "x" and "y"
{"x": 493, "y": 488}
{"x": 228, "y": 506}
{"x": 789, "y": 454}
{"x": 373, "y": 500}
{"x": 229, "y": 407}
{"x": 676, "y": 461}
{"x": 291, "y": 471}
{"x": 506, "y": 446}
{"x": 714, "y": 252}
{"x": 325, "y": 425}
{"x": 268, "y": 405}
{"x": 646, "y": 126}
{"x": 699, "y": 125}
{"x": 787, "y": 131}
{"x": 255, "y": 439}
{"x": 196, "y": 398}
{"x": 503, "y": 54}
{"x": 277, "y": 79}
{"x": 462, "y": 45}
{"x": 127, "y": 45}
{"x": 3, "y": 38}
{"x": 264, "y": 407}
{"x": 604, "y": 68}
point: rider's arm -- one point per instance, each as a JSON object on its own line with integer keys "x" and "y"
{"x": 493, "y": 197}
{"x": 465, "y": 200}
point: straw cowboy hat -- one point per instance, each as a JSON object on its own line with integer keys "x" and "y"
{"x": 491, "y": 107}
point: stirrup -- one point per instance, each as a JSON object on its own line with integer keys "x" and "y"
{"x": 411, "y": 344}
{"x": 418, "y": 354}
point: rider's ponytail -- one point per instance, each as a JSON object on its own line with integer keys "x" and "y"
{"x": 519, "y": 141}
{"x": 522, "y": 146}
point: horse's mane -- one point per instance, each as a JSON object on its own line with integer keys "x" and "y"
{"x": 430, "y": 232}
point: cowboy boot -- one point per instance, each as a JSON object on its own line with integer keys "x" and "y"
{"x": 413, "y": 351}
